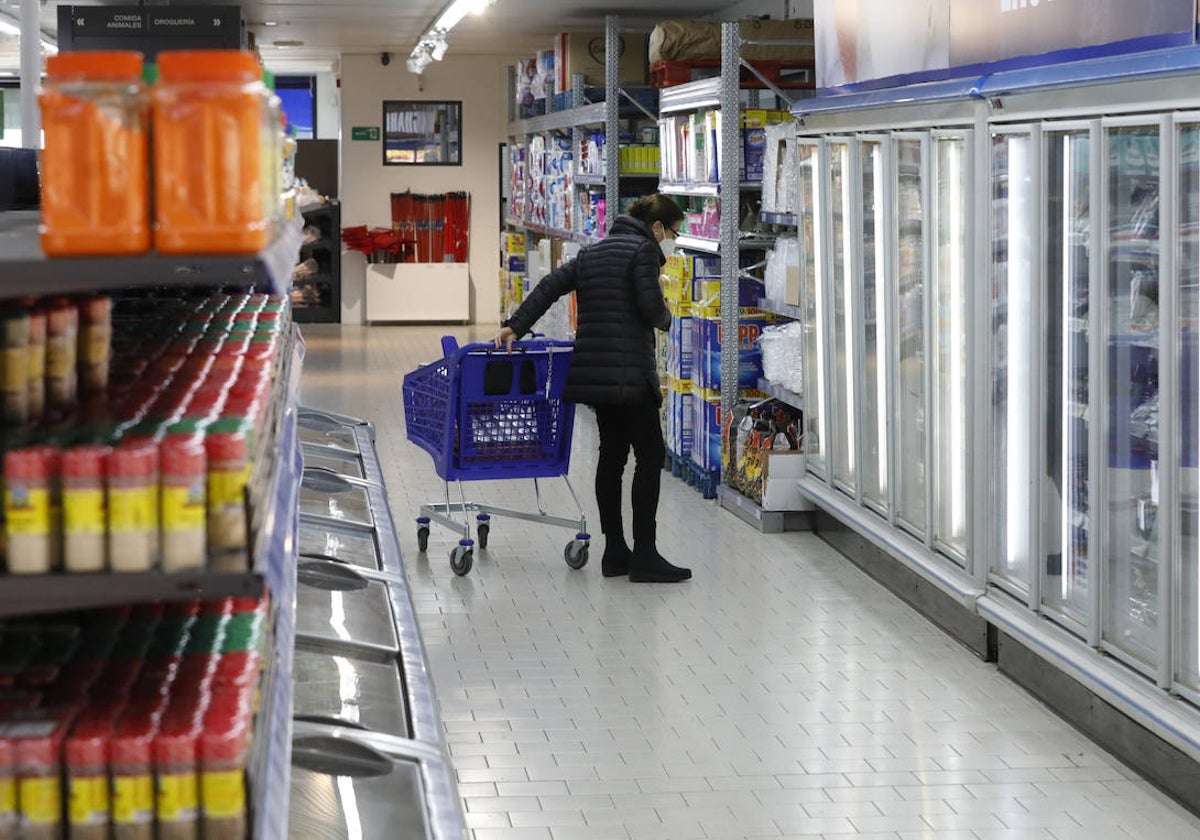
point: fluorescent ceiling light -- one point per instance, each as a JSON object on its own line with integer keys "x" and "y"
{"x": 270, "y": 23}
{"x": 432, "y": 46}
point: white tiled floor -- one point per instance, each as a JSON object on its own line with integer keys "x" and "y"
{"x": 779, "y": 694}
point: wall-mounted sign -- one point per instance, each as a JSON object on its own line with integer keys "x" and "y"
{"x": 365, "y": 132}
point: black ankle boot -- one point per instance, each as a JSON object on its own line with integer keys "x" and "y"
{"x": 615, "y": 562}
{"x": 646, "y": 565}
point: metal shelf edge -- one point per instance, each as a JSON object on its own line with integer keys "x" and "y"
{"x": 25, "y": 267}
{"x": 780, "y": 393}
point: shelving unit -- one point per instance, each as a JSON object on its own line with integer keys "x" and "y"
{"x": 723, "y": 93}
{"x": 326, "y": 286}
{"x": 604, "y": 118}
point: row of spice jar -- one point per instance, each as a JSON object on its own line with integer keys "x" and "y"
{"x": 55, "y": 352}
{"x": 213, "y": 174}
{"x": 156, "y": 476}
{"x": 141, "y": 729}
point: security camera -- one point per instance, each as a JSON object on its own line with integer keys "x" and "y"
{"x": 385, "y": 59}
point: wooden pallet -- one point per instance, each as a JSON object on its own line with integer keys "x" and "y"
{"x": 788, "y": 75}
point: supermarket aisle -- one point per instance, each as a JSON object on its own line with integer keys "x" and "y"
{"x": 780, "y": 694}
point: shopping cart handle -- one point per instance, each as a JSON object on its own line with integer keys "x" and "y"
{"x": 449, "y": 345}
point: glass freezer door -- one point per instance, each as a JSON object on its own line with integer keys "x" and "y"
{"x": 813, "y": 302}
{"x": 1014, "y": 247}
{"x": 875, "y": 414}
{"x": 910, "y": 261}
{"x": 1186, "y": 331}
{"x": 1130, "y": 619}
{"x": 845, "y": 319}
{"x": 952, "y": 201}
{"x": 1065, "y": 567}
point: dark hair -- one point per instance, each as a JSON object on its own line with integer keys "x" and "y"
{"x": 656, "y": 207}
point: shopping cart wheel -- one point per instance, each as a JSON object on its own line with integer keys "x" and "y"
{"x": 484, "y": 528}
{"x": 422, "y": 538}
{"x": 576, "y": 554}
{"x": 461, "y": 559}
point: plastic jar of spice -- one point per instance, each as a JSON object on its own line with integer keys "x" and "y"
{"x": 8, "y": 790}
{"x": 14, "y": 368}
{"x": 184, "y": 484}
{"x": 62, "y": 353}
{"x": 84, "y": 515}
{"x": 36, "y": 364}
{"x": 229, "y": 466}
{"x": 95, "y": 344}
{"x": 37, "y": 743}
{"x": 178, "y": 789}
{"x": 133, "y": 779}
{"x": 86, "y": 753}
{"x": 133, "y": 511}
{"x": 95, "y": 197}
{"x": 27, "y": 511}
{"x": 210, "y": 130}
{"x": 223, "y": 747}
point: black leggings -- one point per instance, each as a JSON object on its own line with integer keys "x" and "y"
{"x": 622, "y": 427}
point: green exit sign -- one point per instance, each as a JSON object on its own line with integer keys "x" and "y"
{"x": 365, "y": 132}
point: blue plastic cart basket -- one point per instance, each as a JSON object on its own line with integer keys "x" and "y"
{"x": 484, "y": 414}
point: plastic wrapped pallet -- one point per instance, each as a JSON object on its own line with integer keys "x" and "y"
{"x": 782, "y": 348}
{"x": 777, "y": 197}
{"x": 700, "y": 40}
{"x": 785, "y": 255}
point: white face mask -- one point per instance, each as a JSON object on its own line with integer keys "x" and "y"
{"x": 668, "y": 247}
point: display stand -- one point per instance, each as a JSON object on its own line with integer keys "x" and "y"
{"x": 407, "y": 292}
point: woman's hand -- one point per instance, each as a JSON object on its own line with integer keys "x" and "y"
{"x": 506, "y": 336}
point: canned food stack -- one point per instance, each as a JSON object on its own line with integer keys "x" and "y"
{"x": 133, "y": 723}
{"x": 152, "y": 471}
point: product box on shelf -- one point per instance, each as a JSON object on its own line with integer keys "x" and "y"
{"x": 583, "y": 53}
{"x": 706, "y": 428}
{"x": 680, "y": 416}
{"x": 680, "y": 349}
{"x": 708, "y": 341}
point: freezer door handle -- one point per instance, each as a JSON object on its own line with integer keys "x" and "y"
{"x": 340, "y": 757}
{"x": 331, "y": 720}
{"x": 330, "y": 576}
{"x": 322, "y": 480}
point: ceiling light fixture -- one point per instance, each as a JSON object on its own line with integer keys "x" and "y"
{"x": 433, "y": 45}
{"x": 270, "y": 23}
{"x": 10, "y": 26}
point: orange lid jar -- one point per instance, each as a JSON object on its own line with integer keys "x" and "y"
{"x": 212, "y": 185}
{"x": 95, "y": 193}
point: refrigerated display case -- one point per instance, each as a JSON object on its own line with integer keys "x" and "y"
{"x": 912, "y": 268}
{"x": 1036, "y": 319}
{"x": 1066, "y": 424}
{"x": 812, "y": 298}
{"x": 874, "y": 426}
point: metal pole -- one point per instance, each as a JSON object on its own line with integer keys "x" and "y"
{"x": 612, "y": 112}
{"x": 730, "y": 162}
{"x": 31, "y": 73}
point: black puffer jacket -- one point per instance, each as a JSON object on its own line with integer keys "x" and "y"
{"x": 620, "y": 304}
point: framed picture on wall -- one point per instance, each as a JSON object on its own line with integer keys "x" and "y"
{"x": 422, "y": 133}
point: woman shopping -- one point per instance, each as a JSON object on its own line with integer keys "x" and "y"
{"x": 620, "y": 304}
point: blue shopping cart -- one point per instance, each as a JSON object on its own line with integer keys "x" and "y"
{"x": 484, "y": 414}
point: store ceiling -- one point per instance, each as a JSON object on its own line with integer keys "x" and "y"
{"x": 328, "y": 28}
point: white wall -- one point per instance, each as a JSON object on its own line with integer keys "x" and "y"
{"x": 328, "y": 106}
{"x": 480, "y": 82}
{"x": 777, "y": 9}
